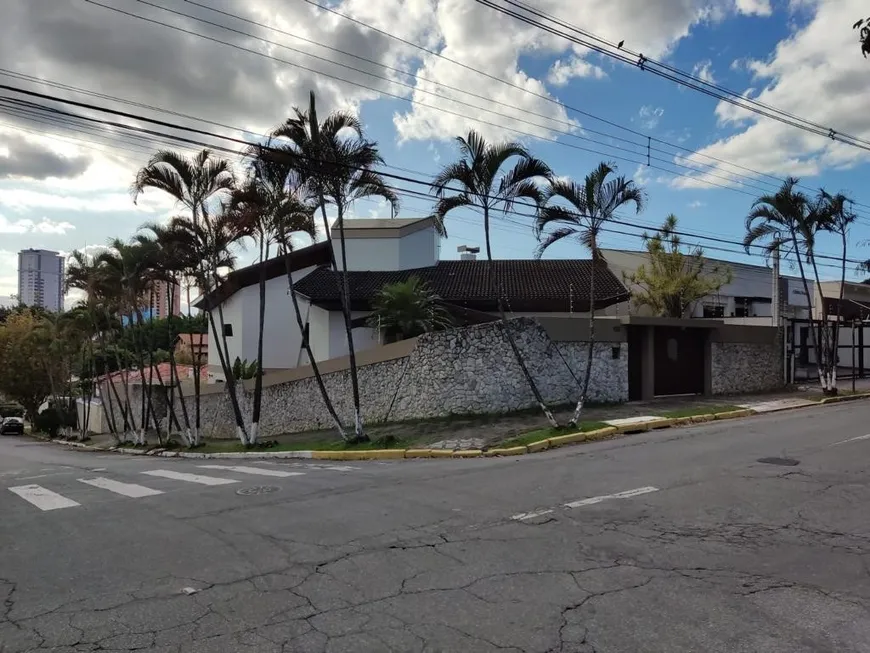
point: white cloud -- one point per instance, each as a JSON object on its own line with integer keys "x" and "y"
{"x": 25, "y": 226}
{"x": 754, "y": 7}
{"x": 561, "y": 72}
{"x": 697, "y": 204}
{"x": 649, "y": 116}
{"x": 817, "y": 73}
{"x": 703, "y": 70}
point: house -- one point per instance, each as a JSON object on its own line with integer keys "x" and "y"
{"x": 379, "y": 252}
{"x": 746, "y": 299}
{"x": 192, "y": 347}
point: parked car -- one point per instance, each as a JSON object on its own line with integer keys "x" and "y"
{"x": 12, "y": 426}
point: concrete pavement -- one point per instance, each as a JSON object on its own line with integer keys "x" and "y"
{"x": 668, "y": 541}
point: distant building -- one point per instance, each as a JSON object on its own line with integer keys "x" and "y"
{"x": 40, "y": 279}
{"x": 157, "y": 302}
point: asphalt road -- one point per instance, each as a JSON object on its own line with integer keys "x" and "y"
{"x": 671, "y": 541}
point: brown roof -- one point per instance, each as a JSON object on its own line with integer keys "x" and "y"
{"x": 195, "y": 339}
{"x": 559, "y": 285}
{"x": 316, "y": 254}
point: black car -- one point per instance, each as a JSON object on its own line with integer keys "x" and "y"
{"x": 12, "y": 426}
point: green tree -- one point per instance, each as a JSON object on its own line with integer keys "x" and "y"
{"x": 863, "y": 27}
{"x": 29, "y": 371}
{"x": 338, "y": 164}
{"x": 673, "y": 280}
{"x": 406, "y": 309}
{"x": 477, "y": 180}
{"x": 580, "y": 213}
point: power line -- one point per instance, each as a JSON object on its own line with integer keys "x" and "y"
{"x": 678, "y": 76}
{"x": 189, "y": 141}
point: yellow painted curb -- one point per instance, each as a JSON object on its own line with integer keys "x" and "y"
{"x": 733, "y": 414}
{"x": 682, "y": 421}
{"x": 601, "y": 434}
{"x": 841, "y": 398}
{"x": 567, "y": 439}
{"x": 382, "y": 454}
{"x": 329, "y": 455}
{"x": 418, "y": 453}
{"x": 663, "y": 423}
{"x": 540, "y": 445}
{"x": 512, "y": 451}
{"x": 639, "y": 427}
{"x": 700, "y": 419}
{"x": 441, "y": 453}
{"x": 467, "y": 453}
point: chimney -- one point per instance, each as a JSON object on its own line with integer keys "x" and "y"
{"x": 467, "y": 253}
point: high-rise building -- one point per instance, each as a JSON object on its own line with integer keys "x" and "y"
{"x": 40, "y": 279}
{"x": 157, "y": 301}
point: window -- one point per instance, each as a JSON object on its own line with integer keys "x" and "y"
{"x": 741, "y": 311}
{"x": 228, "y": 330}
{"x": 714, "y": 310}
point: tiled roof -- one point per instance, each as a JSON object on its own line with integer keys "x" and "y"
{"x": 135, "y": 377}
{"x": 559, "y": 285}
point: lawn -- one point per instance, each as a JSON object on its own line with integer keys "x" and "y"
{"x": 543, "y": 434}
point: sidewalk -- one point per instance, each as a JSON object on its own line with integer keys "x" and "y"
{"x": 483, "y": 431}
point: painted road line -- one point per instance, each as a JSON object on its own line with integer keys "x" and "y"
{"x": 531, "y": 515}
{"x": 860, "y": 437}
{"x": 256, "y": 471}
{"x": 607, "y": 497}
{"x": 127, "y": 489}
{"x": 42, "y": 498}
{"x": 190, "y": 478}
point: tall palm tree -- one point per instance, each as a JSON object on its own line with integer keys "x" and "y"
{"x": 197, "y": 183}
{"x": 480, "y": 182}
{"x": 580, "y": 213}
{"x": 209, "y": 244}
{"x": 82, "y": 274}
{"x": 274, "y": 205}
{"x": 338, "y": 164}
{"x": 169, "y": 265}
{"x": 787, "y": 221}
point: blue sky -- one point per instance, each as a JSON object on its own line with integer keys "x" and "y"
{"x": 797, "y": 55}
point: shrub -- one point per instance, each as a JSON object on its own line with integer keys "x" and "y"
{"x": 11, "y": 410}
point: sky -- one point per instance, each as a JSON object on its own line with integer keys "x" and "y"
{"x": 432, "y": 70}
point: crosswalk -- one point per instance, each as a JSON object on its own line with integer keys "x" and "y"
{"x": 47, "y": 499}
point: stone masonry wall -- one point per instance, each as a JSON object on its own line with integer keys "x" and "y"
{"x": 746, "y": 367}
{"x": 461, "y": 371}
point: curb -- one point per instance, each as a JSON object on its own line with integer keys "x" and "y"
{"x": 400, "y": 454}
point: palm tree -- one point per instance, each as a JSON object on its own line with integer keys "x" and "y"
{"x": 482, "y": 185}
{"x": 196, "y": 183}
{"x": 338, "y": 165}
{"x": 406, "y": 309}
{"x": 169, "y": 266}
{"x": 273, "y": 205}
{"x": 82, "y": 274}
{"x": 788, "y": 219}
{"x": 580, "y": 213}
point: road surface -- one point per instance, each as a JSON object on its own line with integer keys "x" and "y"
{"x": 671, "y": 541}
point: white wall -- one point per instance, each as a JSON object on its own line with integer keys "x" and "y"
{"x": 282, "y": 341}
{"x": 415, "y": 250}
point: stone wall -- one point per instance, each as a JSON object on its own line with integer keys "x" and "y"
{"x": 742, "y": 367}
{"x": 461, "y": 371}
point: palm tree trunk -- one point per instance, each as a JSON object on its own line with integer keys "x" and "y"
{"x": 226, "y": 366}
{"x": 113, "y": 426}
{"x": 303, "y": 332}
{"x": 174, "y": 379}
{"x": 828, "y": 361}
{"x": 814, "y": 340}
{"x": 590, "y": 351}
{"x": 839, "y": 310}
{"x": 197, "y": 395}
{"x": 258, "y": 381}
{"x": 360, "y": 435}
{"x": 147, "y": 389}
{"x": 506, "y": 327}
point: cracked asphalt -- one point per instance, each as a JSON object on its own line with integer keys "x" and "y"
{"x": 727, "y": 554}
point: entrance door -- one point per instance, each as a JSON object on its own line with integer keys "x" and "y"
{"x": 679, "y": 361}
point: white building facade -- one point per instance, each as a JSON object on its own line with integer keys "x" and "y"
{"x": 41, "y": 279}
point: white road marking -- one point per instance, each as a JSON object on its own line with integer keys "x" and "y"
{"x": 42, "y": 498}
{"x": 531, "y": 515}
{"x": 127, "y": 489}
{"x": 860, "y": 437}
{"x": 607, "y": 497}
{"x": 257, "y": 471}
{"x": 190, "y": 478}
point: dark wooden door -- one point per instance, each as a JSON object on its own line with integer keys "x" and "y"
{"x": 679, "y": 360}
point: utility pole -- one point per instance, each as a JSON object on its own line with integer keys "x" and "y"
{"x": 775, "y": 297}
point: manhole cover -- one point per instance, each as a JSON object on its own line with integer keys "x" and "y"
{"x": 257, "y": 489}
{"x": 785, "y": 462}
